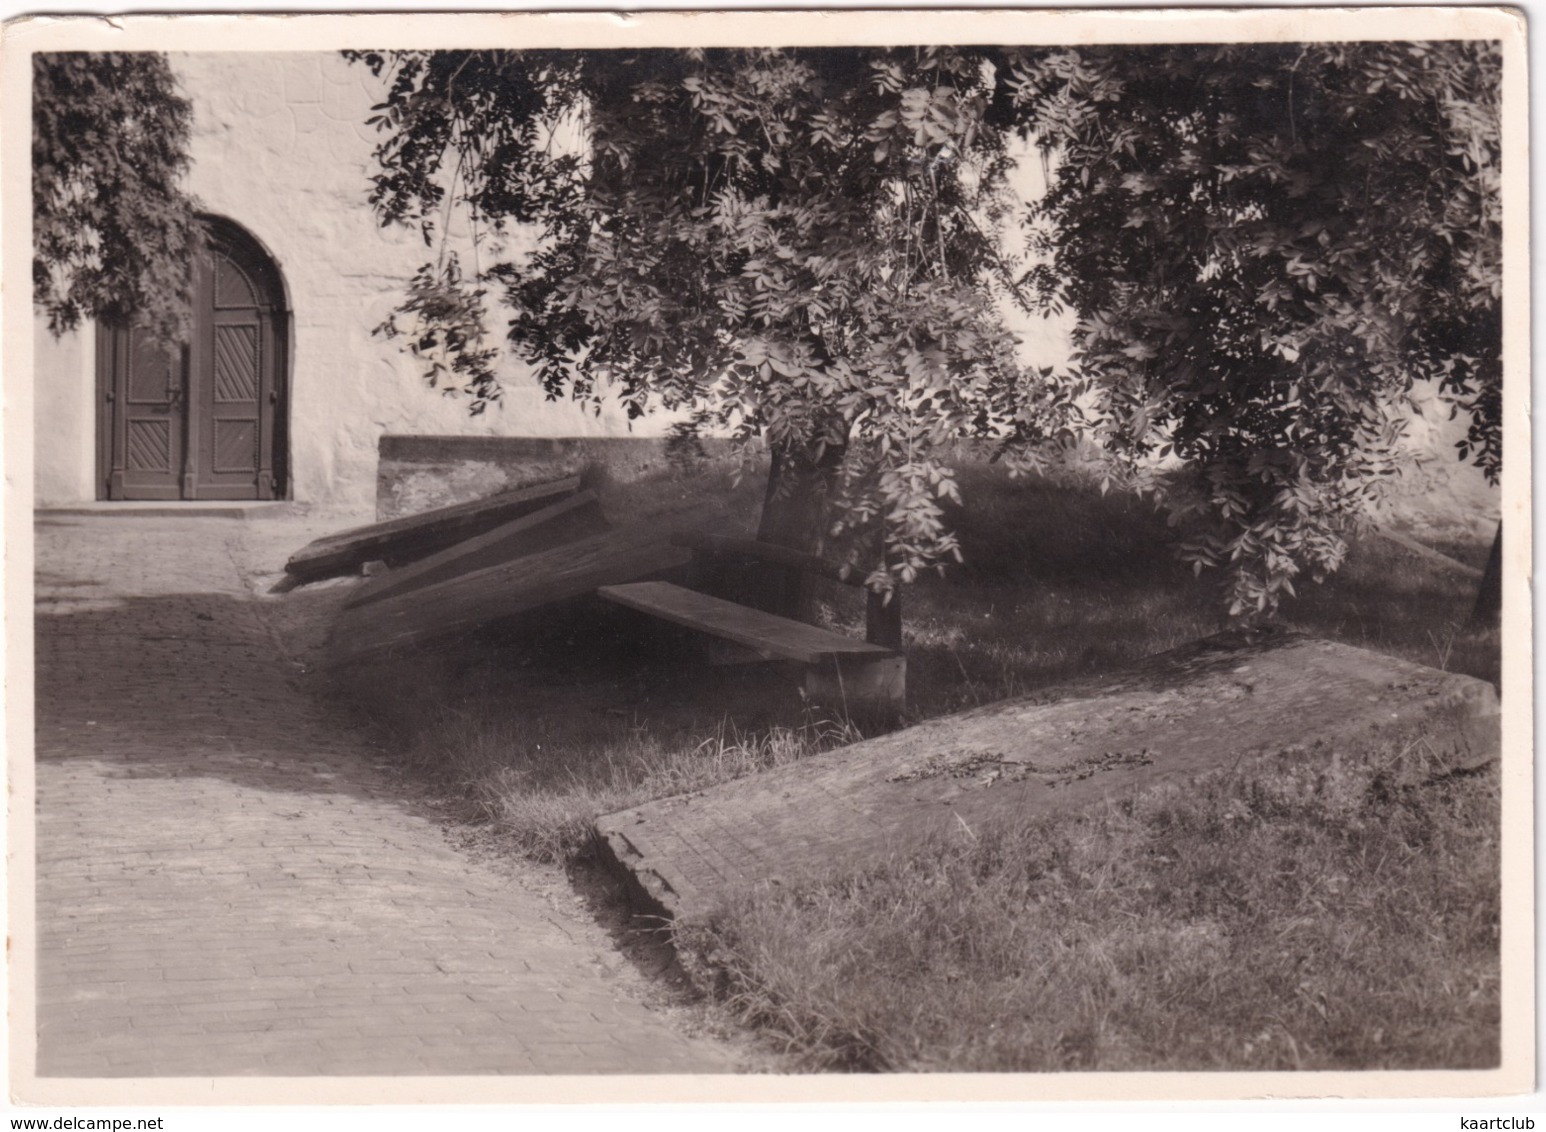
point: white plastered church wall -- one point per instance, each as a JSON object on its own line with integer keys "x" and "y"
{"x": 280, "y": 146}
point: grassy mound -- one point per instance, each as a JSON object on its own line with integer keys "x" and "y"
{"x": 1266, "y": 920}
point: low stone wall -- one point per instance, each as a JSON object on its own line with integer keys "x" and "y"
{"x": 1438, "y": 496}
{"x": 419, "y": 473}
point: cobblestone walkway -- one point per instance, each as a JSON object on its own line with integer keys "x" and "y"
{"x": 229, "y": 885}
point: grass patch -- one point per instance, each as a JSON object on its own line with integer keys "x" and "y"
{"x": 1281, "y": 918}
{"x": 543, "y": 784}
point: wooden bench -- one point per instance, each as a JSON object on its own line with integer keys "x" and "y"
{"x": 882, "y": 612}
{"x": 839, "y": 670}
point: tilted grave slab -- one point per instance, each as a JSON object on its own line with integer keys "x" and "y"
{"x": 568, "y": 520}
{"x": 1206, "y": 707}
{"x": 402, "y": 623}
{"x": 407, "y": 539}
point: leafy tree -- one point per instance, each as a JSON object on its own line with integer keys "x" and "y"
{"x": 1265, "y": 246}
{"x": 112, "y": 227}
{"x": 795, "y": 246}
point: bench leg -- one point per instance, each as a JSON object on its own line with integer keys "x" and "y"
{"x": 859, "y": 682}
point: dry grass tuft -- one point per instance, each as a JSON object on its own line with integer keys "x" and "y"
{"x": 542, "y": 788}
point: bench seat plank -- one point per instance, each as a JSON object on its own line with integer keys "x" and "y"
{"x": 764, "y": 632}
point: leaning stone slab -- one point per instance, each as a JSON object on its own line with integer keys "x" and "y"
{"x": 412, "y": 537}
{"x": 1204, "y": 707}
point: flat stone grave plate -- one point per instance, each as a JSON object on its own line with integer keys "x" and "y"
{"x": 1200, "y": 708}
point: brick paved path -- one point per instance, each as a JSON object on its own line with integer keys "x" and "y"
{"x": 227, "y": 883}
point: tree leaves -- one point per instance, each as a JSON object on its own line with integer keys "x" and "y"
{"x": 447, "y": 333}
{"x": 791, "y": 244}
{"x": 1324, "y": 219}
{"x": 112, "y": 226}
{"x": 1265, "y": 244}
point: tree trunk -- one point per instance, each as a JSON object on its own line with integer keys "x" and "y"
{"x": 883, "y": 619}
{"x": 794, "y": 511}
{"x": 794, "y": 514}
{"x": 883, "y": 611}
{"x": 1489, "y": 594}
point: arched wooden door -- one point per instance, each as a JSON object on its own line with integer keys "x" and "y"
{"x": 205, "y": 418}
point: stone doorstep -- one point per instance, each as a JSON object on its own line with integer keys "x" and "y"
{"x": 208, "y": 509}
{"x": 1201, "y": 708}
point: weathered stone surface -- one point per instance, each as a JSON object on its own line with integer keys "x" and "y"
{"x": 414, "y": 537}
{"x": 1201, "y": 708}
{"x": 404, "y": 622}
{"x": 571, "y": 518}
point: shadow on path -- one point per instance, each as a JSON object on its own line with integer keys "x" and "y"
{"x": 184, "y": 685}
{"x": 229, "y": 881}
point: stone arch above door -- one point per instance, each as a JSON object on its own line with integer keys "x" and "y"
{"x": 205, "y": 418}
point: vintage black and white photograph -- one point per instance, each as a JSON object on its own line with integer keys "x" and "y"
{"x": 928, "y": 544}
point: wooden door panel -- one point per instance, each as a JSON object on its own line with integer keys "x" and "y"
{"x": 201, "y": 420}
{"x": 236, "y": 362}
{"x": 235, "y": 445}
{"x": 148, "y": 391}
{"x": 233, "y": 290}
{"x": 154, "y": 371}
{"x": 148, "y": 447}
{"x": 231, "y": 380}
